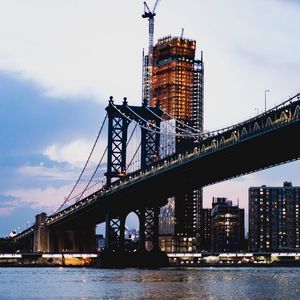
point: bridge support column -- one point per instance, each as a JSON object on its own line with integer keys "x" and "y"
{"x": 149, "y": 239}
{"x": 41, "y": 234}
{"x": 60, "y": 241}
{"x": 81, "y": 240}
{"x": 114, "y": 232}
{"x": 150, "y": 141}
{"x": 117, "y": 139}
{"x": 85, "y": 240}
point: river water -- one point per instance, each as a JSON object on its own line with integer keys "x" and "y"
{"x": 193, "y": 283}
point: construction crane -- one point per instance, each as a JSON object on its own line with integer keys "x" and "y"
{"x": 147, "y": 88}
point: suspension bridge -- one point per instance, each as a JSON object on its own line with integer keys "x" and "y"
{"x": 155, "y": 170}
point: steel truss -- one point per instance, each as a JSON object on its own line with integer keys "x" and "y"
{"x": 118, "y": 122}
{"x": 115, "y": 230}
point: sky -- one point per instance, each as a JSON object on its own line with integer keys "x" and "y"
{"x": 60, "y": 60}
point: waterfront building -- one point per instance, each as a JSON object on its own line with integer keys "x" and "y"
{"x": 177, "y": 83}
{"x": 227, "y": 226}
{"x": 274, "y": 222}
{"x": 205, "y": 229}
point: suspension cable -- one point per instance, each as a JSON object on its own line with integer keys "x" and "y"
{"x": 99, "y": 163}
{"x": 78, "y": 195}
{"x": 182, "y": 123}
{"x": 160, "y": 129}
{"x": 132, "y": 120}
{"x": 135, "y": 126}
{"x": 86, "y": 163}
{"x": 176, "y": 121}
{"x": 134, "y": 155}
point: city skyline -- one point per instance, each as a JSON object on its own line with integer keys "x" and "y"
{"x": 59, "y": 62}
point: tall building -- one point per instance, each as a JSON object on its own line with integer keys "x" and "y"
{"x": 205, "y": 229}
{"x": 177, "y": 80}
{"x": 274, "y": 221}
{"x": 177, "y": 83}
{"x": 227, "y": 226}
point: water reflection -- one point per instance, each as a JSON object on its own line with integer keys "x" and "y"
{"x": 193, "y": 283}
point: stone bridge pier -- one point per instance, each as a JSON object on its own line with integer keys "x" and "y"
{"x": 58, "y": 240}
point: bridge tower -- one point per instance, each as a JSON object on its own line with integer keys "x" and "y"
{"x": 119, "y": 118}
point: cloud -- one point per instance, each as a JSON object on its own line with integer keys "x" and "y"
{"x": 8, "y": 204}
{"x": 45, "y": 199}
{"x": 73, "y": 48}
{"x": 75, "y": 152}
{"x": 44, "y": 173}
{"x": 6, "y": 211}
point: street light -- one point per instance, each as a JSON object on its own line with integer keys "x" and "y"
{"x": 266, "y": 91}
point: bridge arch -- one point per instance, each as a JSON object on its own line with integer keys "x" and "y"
{"x": 296, "y": 113}
{"x": 131, "y": 233}
{"x": 269, "y": 122}
{"x": 256, "y": 127}
{"x": 244, "y": 131}
{"x": 283, "y": 117}
{"x": 222, "y": 141}
{"x": 214, "y": 144}
{"x": 234, "y": 136}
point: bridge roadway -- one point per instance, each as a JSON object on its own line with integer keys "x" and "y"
{"x": 261, "y": 142}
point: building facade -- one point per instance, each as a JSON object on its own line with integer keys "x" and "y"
{"x": 205, "y": 229}
{"x": 177, "y": 83}
{"x": 227, "y": 226}
{"x": 274, "y": 222}
{"x": 178, "y": 80}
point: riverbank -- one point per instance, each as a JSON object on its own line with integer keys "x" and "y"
{"x": 175, "y": 260}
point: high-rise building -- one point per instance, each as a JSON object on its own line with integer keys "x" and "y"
{"x": 274, "y": 220}
{"x": 227, "y": 225}
{"x": 177, "y": 80}
{"x": 177, "y": 83}
{"x": 205, "y": 229}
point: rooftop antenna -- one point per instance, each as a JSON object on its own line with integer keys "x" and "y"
{"x": 182, "y": 32}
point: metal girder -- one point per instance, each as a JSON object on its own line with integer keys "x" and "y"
{"x": 117, "y": 139}
{"x": 150, "y": 142}
{"x": 115, "y": 229}
{"x": 119, "y": 117}
{"x": 149, "y": 148}
{"x": 149, "y": 228}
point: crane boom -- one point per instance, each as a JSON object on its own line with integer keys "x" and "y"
{"x": 147, "y": 88}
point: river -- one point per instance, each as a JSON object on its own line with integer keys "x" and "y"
{"x": 172, "y": 283}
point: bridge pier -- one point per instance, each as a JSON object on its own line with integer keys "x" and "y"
{"x": 75, "y": 240}
{"x": 148, "y": 254}
{"x": 114, "y": 232}
{"x": 41, "y": 234}
{"x": 149, "y": 227}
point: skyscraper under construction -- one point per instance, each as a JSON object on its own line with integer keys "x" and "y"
{"x": 177, "y": 82}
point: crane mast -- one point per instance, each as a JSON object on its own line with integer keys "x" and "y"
{"x": 148, "y": 59}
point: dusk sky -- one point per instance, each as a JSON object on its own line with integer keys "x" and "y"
{"x": 60, "y": 60}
